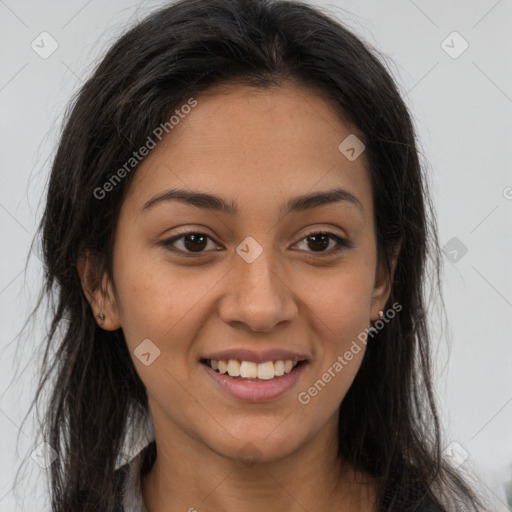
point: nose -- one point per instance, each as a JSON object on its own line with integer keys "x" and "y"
{"x": 260, "y": 298}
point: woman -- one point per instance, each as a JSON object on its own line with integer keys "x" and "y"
{"x": 237, "y": 228}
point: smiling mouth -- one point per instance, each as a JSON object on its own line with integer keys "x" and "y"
{"x": 250, "y": 371}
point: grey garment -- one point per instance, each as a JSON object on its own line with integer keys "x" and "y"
{"x": 132, "y": 491}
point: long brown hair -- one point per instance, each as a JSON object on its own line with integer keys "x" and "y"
{"x": 388, "y": 424}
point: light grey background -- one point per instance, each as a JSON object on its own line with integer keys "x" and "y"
{"x": 462, "y": 108}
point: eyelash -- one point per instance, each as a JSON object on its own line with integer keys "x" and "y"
{"x": 343, "y": 243}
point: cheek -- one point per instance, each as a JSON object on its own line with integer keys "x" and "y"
{"x": 341, "y": 299}
{"x": 161, "y": 301}
{"x": 339, "y": 309}
{"x": 340, "y": 313}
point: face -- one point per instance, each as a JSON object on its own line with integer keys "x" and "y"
{"x": 276, "y": 280}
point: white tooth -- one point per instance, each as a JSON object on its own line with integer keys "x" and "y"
{"x": 248, "y": 370}
{"x": 288, "y": 366}
{"x": 266, "y": 370}
{"x": 233, "y": 368}
{"x": 223, "y": 367}
{"x": 215, "y": 364}
{"x": 279, "y": 368}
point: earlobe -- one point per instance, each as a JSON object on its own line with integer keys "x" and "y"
{"x": 383, "y": 285}
{"x": 99, "y": 292}
{"x": 381, "y": 292}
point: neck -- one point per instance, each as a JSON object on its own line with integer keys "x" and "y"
{"x": 188, "y": 475}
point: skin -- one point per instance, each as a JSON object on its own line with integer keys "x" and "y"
{"x": 258, "y": 147}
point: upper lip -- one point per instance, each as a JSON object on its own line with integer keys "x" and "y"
{"x": 241, "y": 354}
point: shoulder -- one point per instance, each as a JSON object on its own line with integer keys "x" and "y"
{"x": 415, "y": 499}
{"x": 411, "y": 497}
{"x": 121, "y": 475}
{"x": 128, "y": 479}
{"x": 430, "y": 506}
{"x": 426, "y": 505}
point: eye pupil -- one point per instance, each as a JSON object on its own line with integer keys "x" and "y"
{"x": 323, "y": 244}
{"x": 198, "y": 242}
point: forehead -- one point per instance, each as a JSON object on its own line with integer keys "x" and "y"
{"x": 257, "y": 145}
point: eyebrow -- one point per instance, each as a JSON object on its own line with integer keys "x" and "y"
{"x": 216, "y": 203}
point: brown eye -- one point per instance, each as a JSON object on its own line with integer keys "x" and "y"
{"x": 319, "y": 242}
{"x": 195, "y": 242}
{"x": 191, "y": 243}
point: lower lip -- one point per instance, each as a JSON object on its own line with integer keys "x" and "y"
{"x": 256, "y": 390}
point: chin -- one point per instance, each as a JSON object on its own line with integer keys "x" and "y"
{"x": 258, "y": 445}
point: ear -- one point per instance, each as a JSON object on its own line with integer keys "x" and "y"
{"x": 99, "y": 291}
{"x": 383, "y": 284}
